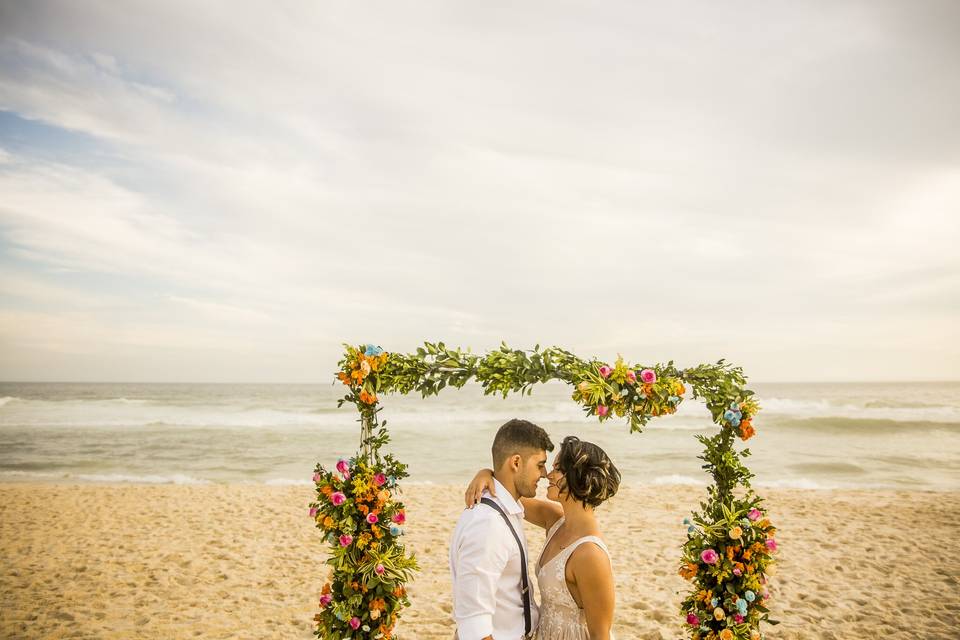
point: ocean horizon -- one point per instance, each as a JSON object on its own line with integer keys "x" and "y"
{"x": 892, "y": 435}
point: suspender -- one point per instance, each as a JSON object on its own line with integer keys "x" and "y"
{"x": 524, "y": 582}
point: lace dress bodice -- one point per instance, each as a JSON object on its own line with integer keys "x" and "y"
{"x": 560, "y": 616}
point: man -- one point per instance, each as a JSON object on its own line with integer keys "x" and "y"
{"x": 488, "y": 553}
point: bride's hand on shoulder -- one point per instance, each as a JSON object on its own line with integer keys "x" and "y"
{"x": 482, "y": 481}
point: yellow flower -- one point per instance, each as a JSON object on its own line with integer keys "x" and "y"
{"x": 718, "y": 613}
{"x": 726, "y": 634}
{"x": 754, "y": 634}
{"x": 736, "y": 532}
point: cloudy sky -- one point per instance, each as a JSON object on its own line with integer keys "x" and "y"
{"x": 226, "y": 192}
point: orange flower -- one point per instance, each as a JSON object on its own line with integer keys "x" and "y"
{"x": 688, "y": 571}
{"x": 730, "y": 553}
{"x": 328, "y": 522}
{"x": 344, "y": 377}
{"x": 368, "y": 398}
{"x": 378, "y": 603}
{"x": 746, "y": 430}
{"x": 399, "y": 592}
{"x": 326, "y": 490}
{"x": 325, "y": 590}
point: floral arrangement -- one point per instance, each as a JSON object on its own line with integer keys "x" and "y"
{"x": 358, "y": 370}
{"x": 730, "y": 542}
{"x": 362, "y": 521}
{"x": 623, "y": 390}
{"x": 728, "y": 559}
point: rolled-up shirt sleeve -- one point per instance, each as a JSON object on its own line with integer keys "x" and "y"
{"x": 480, "y": 561}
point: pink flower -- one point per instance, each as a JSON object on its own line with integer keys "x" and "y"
{"x": 754, "y": 514}
{"x": 372, "y": 518}
{"x": 343, "y": 467}
{"x": 737, "y": 572}
{"x": 602, "y": 410}
{"x": 399, "y": 517}
{"x": 648, "y": 376}
{"x": 771, "y": 544}
{"x": 379, "y": 569}
{"x": 631, "y": 376}
{"x": 325, "y": 599}
{"x": 355, "y": 623}
{"x": 346, "y": 540}
{"x": 337, "y": 498}
{"x": 737, "y": 618}
{"x": 709, "y": 556}
{"x": 605, "y": 371}
{"x": 313, "y": 512}
{"x": 692, "y": 619}
{"x": 317, "y": 477}
{"x": 380, "y": 479}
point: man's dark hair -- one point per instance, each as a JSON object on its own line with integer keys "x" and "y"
{"x": 588, "y": 473}
{"x": 517, "y": 435}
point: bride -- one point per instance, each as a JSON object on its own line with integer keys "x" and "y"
{"x": 573, "y": 571}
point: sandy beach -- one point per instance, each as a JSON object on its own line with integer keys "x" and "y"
{"x": 235, "y": 561}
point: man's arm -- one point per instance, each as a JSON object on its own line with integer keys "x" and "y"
{"x": 480, "y": 560}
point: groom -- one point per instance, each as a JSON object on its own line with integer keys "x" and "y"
{"x": 492, "y": 599}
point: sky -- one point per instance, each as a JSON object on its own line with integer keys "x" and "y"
{"x": 228, "y": 192}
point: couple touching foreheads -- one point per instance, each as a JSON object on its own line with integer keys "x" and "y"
{"x": 492, "y": 598}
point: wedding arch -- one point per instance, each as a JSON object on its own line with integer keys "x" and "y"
{"x": 730, "y": 541}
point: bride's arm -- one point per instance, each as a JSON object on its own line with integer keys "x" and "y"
{"x": 542, "y": 513}
{"x": 591, "y": 570}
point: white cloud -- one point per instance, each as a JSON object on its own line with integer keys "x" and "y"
{"x": 622, "y": 179}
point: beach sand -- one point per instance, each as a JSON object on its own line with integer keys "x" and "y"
{"x": 244, "y": 561}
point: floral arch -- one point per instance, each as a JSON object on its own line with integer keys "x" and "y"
{"x": 730, "y": 541}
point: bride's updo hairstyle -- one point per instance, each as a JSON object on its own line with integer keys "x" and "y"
{"x": 588, "y": 473}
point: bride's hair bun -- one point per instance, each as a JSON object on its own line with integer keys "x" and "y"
{"x": 588, "y": 473}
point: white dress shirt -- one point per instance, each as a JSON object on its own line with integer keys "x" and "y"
{"x": 485, "y": 565}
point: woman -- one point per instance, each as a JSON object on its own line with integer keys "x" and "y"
{"x": 573, "y": 571}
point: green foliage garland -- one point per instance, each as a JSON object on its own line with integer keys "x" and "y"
{"x": 730, "y": 542}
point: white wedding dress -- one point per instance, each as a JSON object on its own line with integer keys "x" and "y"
{"x": 560, "y": 616}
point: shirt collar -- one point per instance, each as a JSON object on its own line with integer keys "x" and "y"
{"x": 512, "y": 506}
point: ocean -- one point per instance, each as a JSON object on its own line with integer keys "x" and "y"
{"x": 809, "y": 436}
